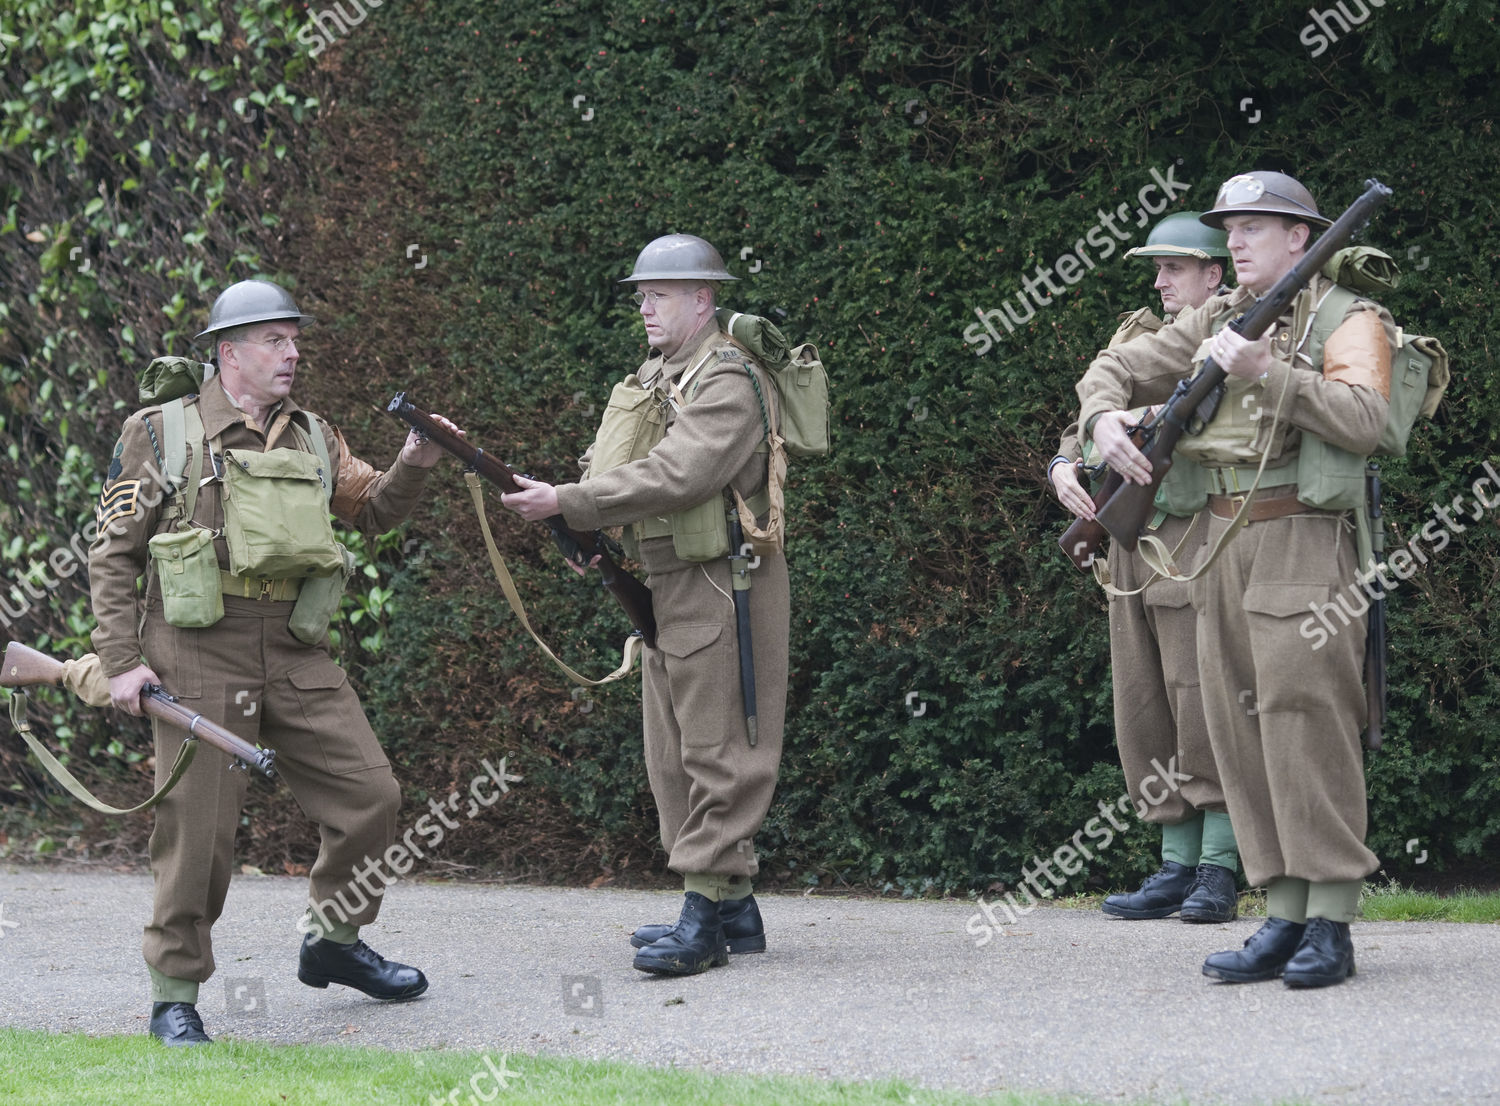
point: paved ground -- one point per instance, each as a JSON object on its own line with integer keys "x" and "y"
{"x": 1067, "y": 1001}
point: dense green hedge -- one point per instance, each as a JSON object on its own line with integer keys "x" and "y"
{"x": 876, "y": 174}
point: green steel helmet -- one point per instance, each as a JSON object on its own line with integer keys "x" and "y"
{"x": 251, "y": 301}
{"x": 1264, "y": 193}
{"x": 1182, "y": 235}
{"x": 679, "y": 257}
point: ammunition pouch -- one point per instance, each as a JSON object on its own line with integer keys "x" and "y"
{"x": 319, "y": 599}
{"x": 188, "y": 571}
{"x": 634, "y": 422}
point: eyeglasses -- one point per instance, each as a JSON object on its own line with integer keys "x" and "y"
{"x": 279, "y": 343}
{"x": 654, "y": 297}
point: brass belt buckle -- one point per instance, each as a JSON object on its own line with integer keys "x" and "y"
{"x": 265, "y": 589}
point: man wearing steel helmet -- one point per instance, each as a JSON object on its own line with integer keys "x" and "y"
{"x": 1283, "y": 714}
{"x": 685, "y": 431}
{"x": 1153, "y": 635}
{"x": 252, "y": 662}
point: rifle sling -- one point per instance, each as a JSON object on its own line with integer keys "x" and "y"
{"x": 70, "y": 782}
{"x": 632, "y": 644}
{"x": 1160, "y": 559}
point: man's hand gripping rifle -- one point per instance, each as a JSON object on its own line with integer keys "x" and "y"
{"x": 578, "y": 546}
{"x": 1123, "y": 508}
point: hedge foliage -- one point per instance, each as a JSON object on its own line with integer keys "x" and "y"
{"x": 457, "y": 208}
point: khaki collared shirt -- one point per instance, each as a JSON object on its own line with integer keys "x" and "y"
{"x": 133, "y": 506}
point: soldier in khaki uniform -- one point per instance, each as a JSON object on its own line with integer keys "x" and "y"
{"x": 1284, "y": 713}
{"x": 246, "y": 670}
{"x": 1159, "y": 723}
{"x": 671, "y": 488}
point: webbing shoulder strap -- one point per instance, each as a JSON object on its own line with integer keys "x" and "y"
{"x": 1328, "y": 316}
{"x": 182, "y": 426}
{"x": 314, "y": 438}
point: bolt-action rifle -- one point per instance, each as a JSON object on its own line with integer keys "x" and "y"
{"x": 578, "y": 546}
{"x": 26, "y": 667}
{"x": 1122, "y": 508}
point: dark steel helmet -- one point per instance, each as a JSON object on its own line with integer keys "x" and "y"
{"x": 679, "y": 257}
{"x": 1264, "y": 193}
{"x": 251, "y": 301}
{"x": 1182, "y": 235}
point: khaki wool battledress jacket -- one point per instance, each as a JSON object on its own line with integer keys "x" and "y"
{"x": 712, "y": 789}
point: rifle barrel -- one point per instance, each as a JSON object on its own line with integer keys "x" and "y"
{"x": 26, "y": 667}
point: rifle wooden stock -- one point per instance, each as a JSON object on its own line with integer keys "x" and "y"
{"x": 579, "y": 546}
{"x": 1082, "y": 539}
{"x": 26, "y": 667}
{"x": 1128, "y": 509}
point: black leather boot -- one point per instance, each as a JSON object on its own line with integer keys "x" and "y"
{"x": 358, "y": 966}
{"x": 1264, "y": 956}
{"x": 1212, "y": 897}
{"x": 695, "y": 944}
{"x": 743, "y": 929}
{"x": 178, "y": 1023}
{"x": 1160, "y": 896}
{"x": 1325, "y": 956}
